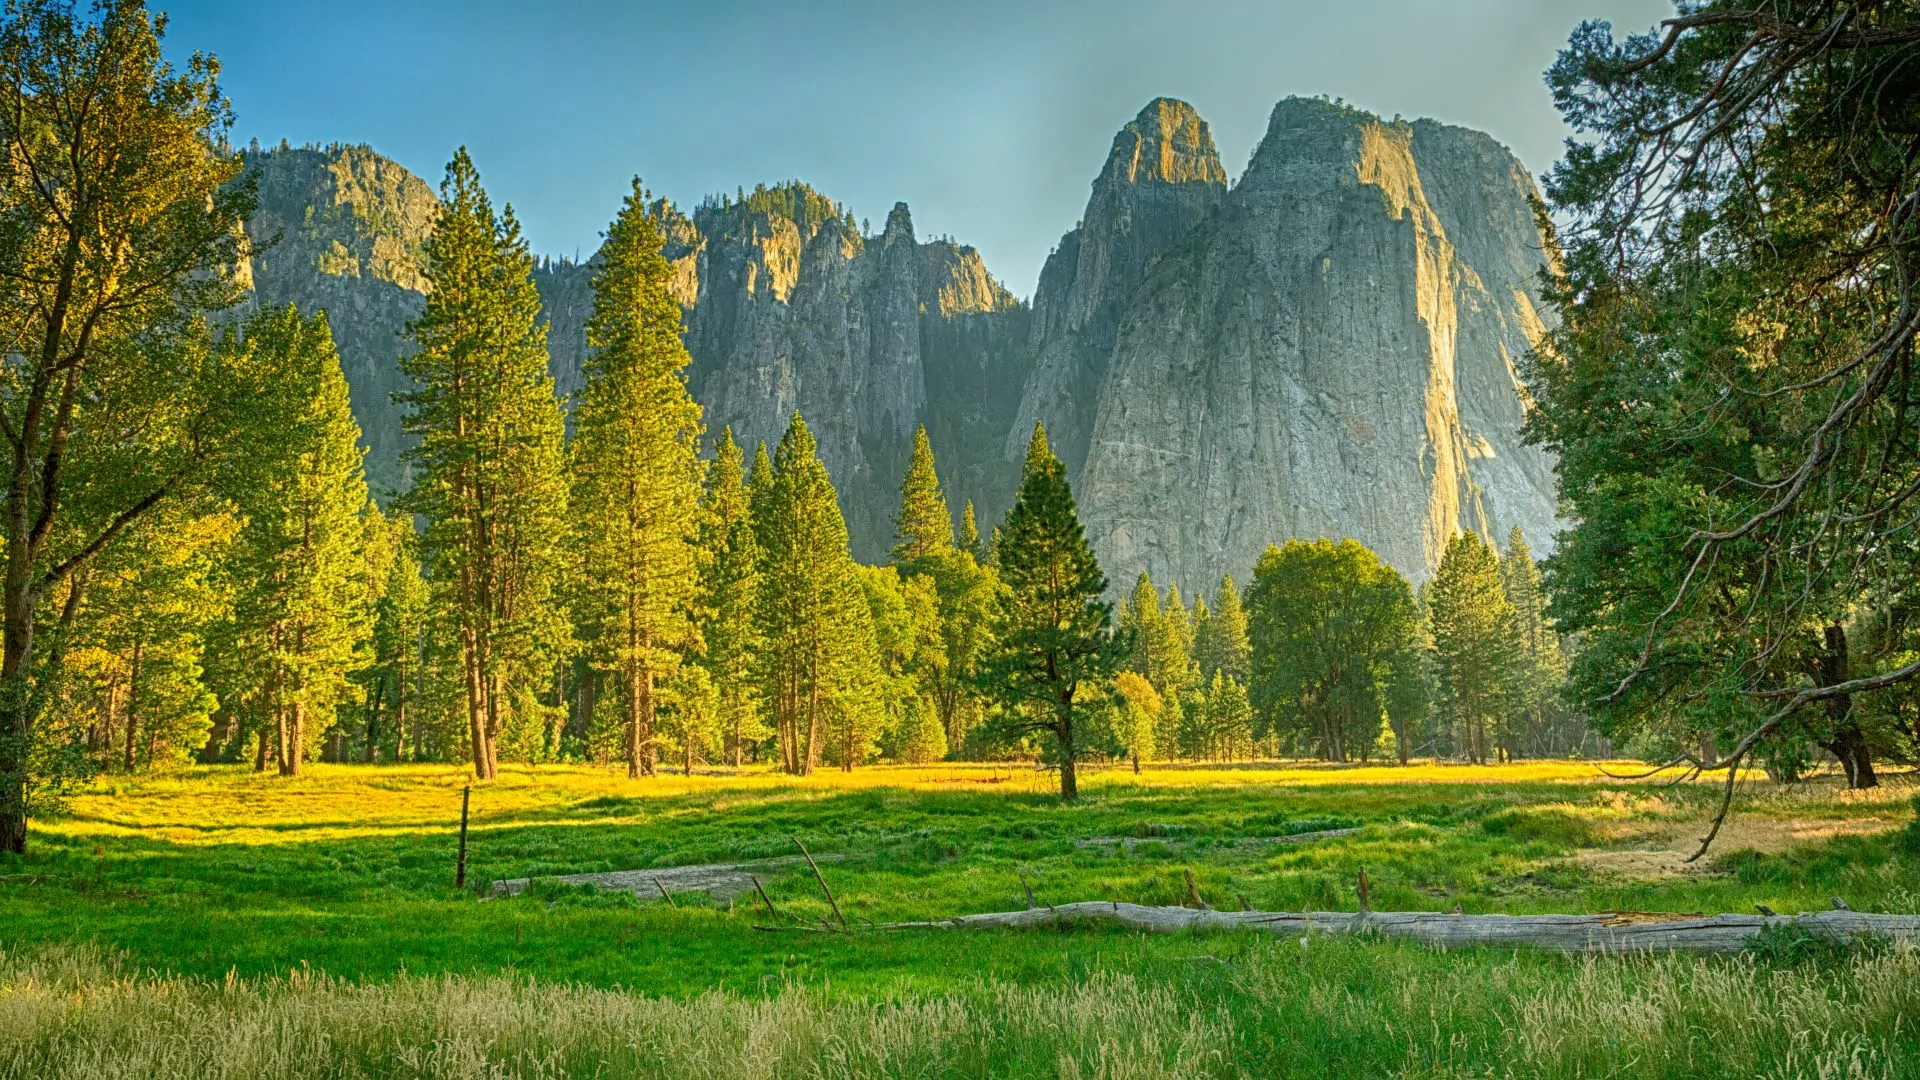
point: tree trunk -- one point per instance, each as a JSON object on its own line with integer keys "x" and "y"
{"x": 133, "y": 700}
{"x": 376, "y": 697}
{"x": 1847, "y": 742}
{"x": 813, "y": 726}
{"x": 294, "y": 746}
{"x": 632, "y": 704}
{"x": 1063, "y": 732}
{"x": 736, "y": 751}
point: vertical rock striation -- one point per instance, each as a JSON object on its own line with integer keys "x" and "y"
{"x": 1328, "y": 347}
{"x": 1162, "y": 178}
{"x": 1322, "y": 357}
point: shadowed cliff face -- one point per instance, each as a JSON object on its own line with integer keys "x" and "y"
{"x": 342, "y": 229}
{"x": 1162, "y": 178}
{"x": 1327, "y": 348}
{"x": 1324, "y": 358}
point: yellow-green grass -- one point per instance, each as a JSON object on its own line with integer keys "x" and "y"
{"x": 1245, "y": 1007}
{"x": 350, "y": 869}
{"x": 200, "y": 923}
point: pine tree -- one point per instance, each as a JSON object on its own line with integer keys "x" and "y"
{"x": 1477, "y": 654}
{"x": 730, "y": 580}
{"x": 923, "y": 528}
{"x": 637, "y": 475}
{"x": 400, "y": 635}
{"x": 305, "y": 600}
{"x": 810, "y": 609}
{"x": 1054, "y": 636}
{"x": 489, "y": 467}
{"x": 1177, "y": 663}
{"x": 1143, "y": 627}
{"x": 1229, "y": 723}
{"x": 970, "y": 535}
{"x": 1543, "y": 665}
{"x": 1220, "y": 641}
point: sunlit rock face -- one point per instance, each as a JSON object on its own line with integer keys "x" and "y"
{"x": 1326, "y": 348}
{"x": 787, "y": 306}
{"x": 1331, "y": 352}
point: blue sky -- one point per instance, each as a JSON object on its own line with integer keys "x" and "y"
{"x": 989, "y": 117}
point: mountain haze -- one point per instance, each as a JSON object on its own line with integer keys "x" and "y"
{"x": 1326, "y": 347}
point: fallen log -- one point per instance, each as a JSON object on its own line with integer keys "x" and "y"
{"x": 1607, "y": 932}
{"x": 722, "y": 881}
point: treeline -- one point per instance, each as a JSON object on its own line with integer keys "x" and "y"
{"x": 636, "y": 593}
{"x": 1332, "y": 654}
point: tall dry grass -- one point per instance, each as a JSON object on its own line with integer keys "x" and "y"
{"x": 1355, "y": 1009}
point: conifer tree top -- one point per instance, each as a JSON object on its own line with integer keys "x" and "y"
{"x": 924, "y": 525}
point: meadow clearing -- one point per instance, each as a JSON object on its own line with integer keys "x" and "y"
{"x": 219, "y": 922}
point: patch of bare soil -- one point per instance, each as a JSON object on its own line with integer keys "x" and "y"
{"x": 1661, "y": 850}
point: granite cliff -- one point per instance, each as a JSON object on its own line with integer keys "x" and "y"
{"x": 1331, "y": 352}
{"x": 1326, "y": 347}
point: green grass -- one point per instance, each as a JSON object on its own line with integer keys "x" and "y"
{"x": 217, "y": 873}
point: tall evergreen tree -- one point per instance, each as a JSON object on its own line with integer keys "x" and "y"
{"x": 489, "y": 467}
{"x": 924, "y": 526}
{"x": 636, "y": 475}
{"x": 1476, "y": 654}
{"x": 970, "y": 535}
{"x": 304, "y": 595}
{"x": 1220, "y": 642}
{"x": 1543, "y": 666}
{"x": 1054, "y": 639}
{"x": 1144, "y": 628}
{"x": 729, "y": 589}
{"x": 809, "y": 607}
{"x": 1178, "y": 661}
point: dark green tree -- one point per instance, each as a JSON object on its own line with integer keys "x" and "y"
{"x": 304, "y": 604}
{"x": 1220, "y": 640}
{"x": 1728, "y": 387}
{"x": 811, "y": 617}
{"x": 1479, "y": 668}
{"x": 490, "y": 478}
{"x": 637, "y": 477}
{"x": 1328, "y": 625}
{"x": 1547, "y": 726}
{"x": 1054, "y": 646}
{"x": 729, "y": 591}
{"x": 923, "y": 528}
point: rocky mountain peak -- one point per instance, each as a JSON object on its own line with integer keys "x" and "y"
{"x": 899, "y": 225}
{"x": 1161, "y": 179}
{"x": 1167, "y": 143}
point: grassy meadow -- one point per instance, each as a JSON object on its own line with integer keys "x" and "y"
{"x": 177, "y": 913}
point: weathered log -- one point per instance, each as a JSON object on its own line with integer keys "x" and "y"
{"x": 722, "y": 881}
{"x": 1608, "y": 932}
